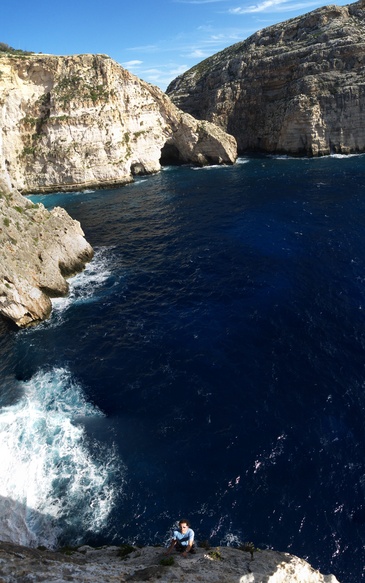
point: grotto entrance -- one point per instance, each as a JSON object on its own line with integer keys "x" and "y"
{"x": 170, "y": 155}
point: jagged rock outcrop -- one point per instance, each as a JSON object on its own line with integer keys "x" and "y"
{"x": 296, "y": 87}
{"x": 78, "y": 121}
{"x": 88, "y": 565}
{"x": 39, "y": 248}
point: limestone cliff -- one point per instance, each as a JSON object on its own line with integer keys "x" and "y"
{"x": 88, "y": 565}
{"x": 296, "y": 87}
{"x": 38, "y": 250}
{"x": 73, "y": 122}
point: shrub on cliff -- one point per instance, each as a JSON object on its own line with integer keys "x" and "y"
{"x": 5, "y": 48}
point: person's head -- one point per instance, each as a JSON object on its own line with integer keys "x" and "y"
{"x": 184, "y": 524}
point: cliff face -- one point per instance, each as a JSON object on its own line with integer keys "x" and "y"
{"x": 296, "y": 87}
{"x": 88, "y": 565}
{"x": 68, "y": 123}
{"x": 73, "y": 122}
{"x": 38, "y": 250}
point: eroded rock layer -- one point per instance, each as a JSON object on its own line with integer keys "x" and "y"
{"x": 296, "y": 87}
{"x": 73, "y": 122}
{"x": 39, "y": 249}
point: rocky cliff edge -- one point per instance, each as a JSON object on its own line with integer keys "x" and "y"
{"x": 71, "y": 122}
{"x": 39, "y": 250}
{"x": 67, "y": 123}
{"x": 112, "y": 564}
{"x": 297, "y": 87}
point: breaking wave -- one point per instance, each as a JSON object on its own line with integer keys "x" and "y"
{"x": 85, "y": 286}
{"x": 53, "y": 480}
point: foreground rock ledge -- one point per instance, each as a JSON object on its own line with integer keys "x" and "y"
{"x": 88, "y": 565}
{"x": 39, "y": 250}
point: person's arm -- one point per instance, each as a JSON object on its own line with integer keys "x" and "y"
{"x": 188, "y": 546}
{"x": 172, "y": 544}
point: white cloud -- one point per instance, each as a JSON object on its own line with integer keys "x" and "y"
{"x": 274, "y": 6}
{"x": 197, "y": 54}
{"x": 152, "y": 71}
{"x": 205, "y": 27}
{"x": 144, "y": 48}
{"x": 178, "y": 71}
{"x": 163, "y": 75}
{"x": 134, "y": 63}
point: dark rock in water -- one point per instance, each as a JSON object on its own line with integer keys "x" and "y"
{"x": 297, "y": 87}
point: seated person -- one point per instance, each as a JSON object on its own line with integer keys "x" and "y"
{"x": 183, "y": 539}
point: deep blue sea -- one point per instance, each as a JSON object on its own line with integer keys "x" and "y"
{"x": 209, "y": 363}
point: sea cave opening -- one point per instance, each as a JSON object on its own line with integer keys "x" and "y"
{"x": 170, "y": 155}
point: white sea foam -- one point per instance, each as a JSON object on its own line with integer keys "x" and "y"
{"x": 314, "y": 159}
{"x": 84, "y": 286}
{"x": 240, "y": 160}
{"x": 231, "y": 540}
{"x": 173, "y": 167}
{"x": 288, "y": 157}
{"x": 345, "y": 155}
{"x": 137, "y": 181}
{"x": 211, "y": 167}
{"x": 271, "y": 456}
{"x": 50, "y": 483}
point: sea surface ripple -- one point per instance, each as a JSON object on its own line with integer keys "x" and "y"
{"x": 208, "y": 363}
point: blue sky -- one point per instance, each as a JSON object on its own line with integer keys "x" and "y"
{"x": 155, "y": 39}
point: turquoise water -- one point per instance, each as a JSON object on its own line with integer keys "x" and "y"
{"x": 208, "y": 363}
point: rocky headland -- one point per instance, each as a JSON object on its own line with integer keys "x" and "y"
{"x": 111, "y": 564}
{"x": 73, "y": 122}
{"x": 68, "y": 123}
{"x": 297, "y": 87}
{"x": 39, "y": 250}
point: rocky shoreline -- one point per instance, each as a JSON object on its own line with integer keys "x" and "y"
{"x": 126, "y": 563}
{"x": 40, "y": 250}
